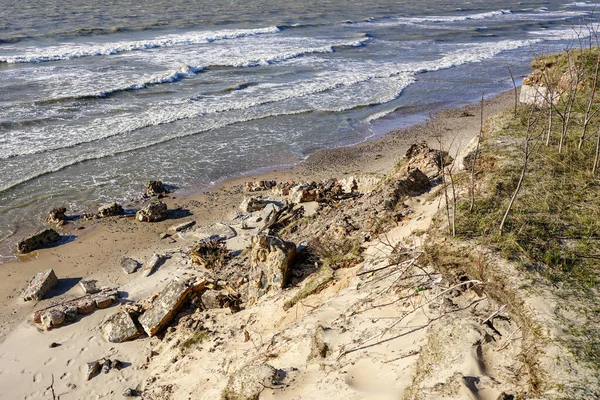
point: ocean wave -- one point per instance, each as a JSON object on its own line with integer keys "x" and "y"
{"x": 72, "y": 50}
{"x": 163, "y": 139}
{"x": 189, "y": 71}
{"x": 336, "y": 79}
{"x": 469, "y": 17}
{"x": 170, "y": 77}
{"x": 581, "y": 4}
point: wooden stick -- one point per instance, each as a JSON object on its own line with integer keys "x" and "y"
{"x": 506, "y": 342}
{"x": 495, "y": 313}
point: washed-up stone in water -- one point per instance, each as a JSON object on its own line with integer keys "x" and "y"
{"x": 41, "y": 284}
{"x": 57, "y": 216}
{"x": 38, "y": 240}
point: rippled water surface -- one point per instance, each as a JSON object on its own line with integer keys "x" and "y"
{"x": 98, "y": 97}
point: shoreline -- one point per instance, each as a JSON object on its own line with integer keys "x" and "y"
{"x": 87, "y": 257}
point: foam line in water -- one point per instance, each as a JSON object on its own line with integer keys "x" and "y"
{"x": 74, "y": 50}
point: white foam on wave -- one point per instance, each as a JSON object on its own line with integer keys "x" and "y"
{"x": 75, "y": 50}
{"x": 339, "y": 87}
{"x": 568, "y": 34}
{"x": 78, "y": 82}
{"x": 459, "y": 18}
{"x": 582, "y": 4}
{"x": 343, "y": 81}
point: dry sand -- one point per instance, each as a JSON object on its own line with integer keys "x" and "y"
{"x": 27, "y": 364}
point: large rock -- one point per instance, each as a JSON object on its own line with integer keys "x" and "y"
{"x": 110, "y": 210}
{"x": 271, "y": 260}
{"x": 250, "y": 381}
{"x": 153, "y": 212}
{"x": 40, "y": 285}
{"x": 164, "y": 307}
{"x": 119, "y": 328}
{"x": 38, "y": 240}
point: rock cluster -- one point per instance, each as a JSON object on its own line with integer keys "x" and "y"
{"x": 103, "y": 365}
{"x": 37, "y": 241}
{"x": 258, "y": 186}
{"x": 153, "y": 212}
{"x": 68, "y": 311}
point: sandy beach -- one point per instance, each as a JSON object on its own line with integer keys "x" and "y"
{"x": 29, "y": 364}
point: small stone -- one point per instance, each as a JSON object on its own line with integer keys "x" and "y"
{"x": 53, "y": 345}
{"x": 89, "y": 286}
{"x": 130, "y": 393}
{"x": 70, "y": 313}
{"x": 92, "y": 368}
{"x": 103, "y": 302}
{"x": 106, "y": 366}
{"x": 116, "y": 364}
{"x": 129, "y": 265}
